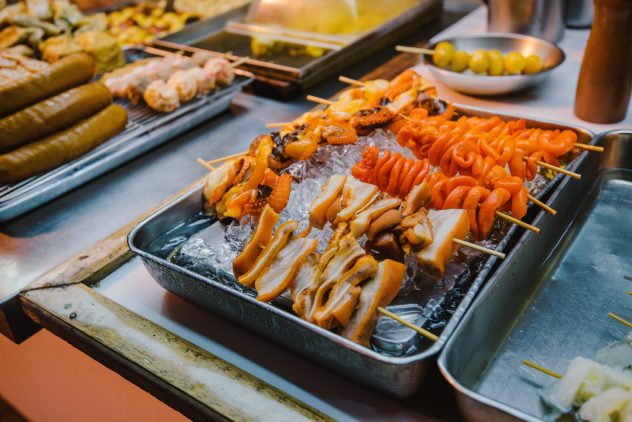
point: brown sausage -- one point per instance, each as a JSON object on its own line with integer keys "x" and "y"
{"x": 52, "y": 115}
{"x": 67, "y": 73}
{"x": 63, "y": 146}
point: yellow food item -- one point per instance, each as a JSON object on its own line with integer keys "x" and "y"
{"x": 479, "y": 61}
{"x": 460, "y": 61}
{"x": 443, "y": 54}
{"x": 496, "y": 63}
{"x": 534, "y": 64}
{"x": 515, "y": 63}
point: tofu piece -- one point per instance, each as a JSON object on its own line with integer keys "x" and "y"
{"x": 446, "y": 225}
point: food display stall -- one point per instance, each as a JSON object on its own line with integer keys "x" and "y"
{"x": 276, "y": 277}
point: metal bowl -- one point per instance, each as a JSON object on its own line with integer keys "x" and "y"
{"x": 471, "y": 83}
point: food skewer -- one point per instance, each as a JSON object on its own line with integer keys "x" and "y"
{"x": 350, "y": 81}
{"x": 619, "y": 319}
{"x": 319, "y": 100}
{"x": 278, "y": 124}
{"x": 226, "y": 157}
{"x": 414, "y": 50}
{"x": 541, "y": 369}
{"x": 575, "y": 176}
{"x": 541, "y": 204}
{"x": 517, "y": 222}
{"x": 427, "y": 334}
{"x": 205, "y": 164}
{"x": 479, "y": 248}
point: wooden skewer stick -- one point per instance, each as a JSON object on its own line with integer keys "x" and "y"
{"x": 239, "y": 62}
{"x": 517, "y": 222}
{"x": 278, "y": 124}
{"x": 588, "y": 147}
{"x": 479, "y": 248}
{"x": 227, "y": 157}
{"x": 205, "y": 164}
{"x": 414, "y": 50}
{"x": 427, "y": 334}
{"x": 621, "y": 320}
{"x": 576, "y": 176}
{"x": 541, "y": 369}
{"x": 319, "y": 100}
{"x": 350, "y": 81}
{"x": 541, "y": 204}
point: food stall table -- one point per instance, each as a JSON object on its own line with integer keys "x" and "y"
{"x": 107, "y": 304}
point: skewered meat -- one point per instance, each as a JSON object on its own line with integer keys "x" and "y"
{"x": 221, "y": 179}
{"x": 330, "y": 192}
{"x": 360, "y": 224}
{"x": 378, "y": 291}
{"x": 355, "y": 196}
{"x": 304, "y": 287}
{"x": 185, "y": 84}
{"x": 258, "y": 241}
{"x": 446, "y": 225}
{"x": 280, "y": 239}
{"x": 342, "y": 295}
{"x": 161, "y": 97}
{"x": 220, "y": 68}
{"x": 419, "y": 197}
{"x": 415, "y": 230}
{"x": 283, "y": 268}
{"x": 387, "y": 221}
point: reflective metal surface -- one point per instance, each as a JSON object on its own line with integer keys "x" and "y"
{"x": 552, "y": 56}
{"x": 579, "y": 13}
{"x": 399, "y": 376}
{"x": 548, "y": 302}
{"x": 540, "y": 18}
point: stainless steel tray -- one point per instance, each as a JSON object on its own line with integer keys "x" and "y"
{"x": 285, "y": 72}
{"x": 548, "y": 301}
{"x": 145, "y": 130}
{"x": 399, "y": 376}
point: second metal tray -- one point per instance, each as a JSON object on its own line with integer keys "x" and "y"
{"x": 399, "y": 376}
{"x": 548, "y": 302}
{"x": 145, "y": 130}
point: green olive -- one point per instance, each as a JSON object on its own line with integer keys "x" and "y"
{"x": 534, "y": 64}
{"x": 479, "y": 61}
{"x": 496, "y": 64}
{"x": 460, "y": 61}
{"x": 443, "y": 53}
{"x": 515, "y": 63}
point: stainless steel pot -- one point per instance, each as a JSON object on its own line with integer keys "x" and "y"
{"x": 540, "y": 18}
{"x": 579, "y": 13}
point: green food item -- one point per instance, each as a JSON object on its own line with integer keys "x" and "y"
{"x": 479, "y": 61}
{"x": 496, "y": 63}
{"x": 534, "y": 64}
{"x": 67, "y": 73}
{"x": 52, "y": 115}
{"x": 460, "y": 61}
{"x": 443, "y": 53}
{"x": 515, "y": 63}
{"x": 63, "y": 146}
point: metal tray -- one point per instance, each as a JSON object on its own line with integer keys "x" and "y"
{"x": 145, "y": 130}
{"x": 287, "y": 73}
{"x": 548, "y": 301}
{"x": 399, "y": 376}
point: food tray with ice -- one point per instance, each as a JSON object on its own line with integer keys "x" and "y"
{"x": 197, "y": 257}
{"x": 549, "y": 304}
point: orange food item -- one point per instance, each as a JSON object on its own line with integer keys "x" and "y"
{"x": 496, "y": 199}
{"x": 380, "y": 290}
{"x": 280, "y": 192}
{"x": 258, "y": 241}
{"x": 330, "y": 192}
{"x": 446, "y": 225}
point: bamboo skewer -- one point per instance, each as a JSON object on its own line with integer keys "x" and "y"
{"x": 588, "y": 147}
{"x": 517, "y": 222}
{"x": 541, "y": 204}
{"x": 277, "y": 124}
{"x": 576, "y": 176}
{"x": 205, "y": 164}
{"x": 319, "y": 100}
{"x": 541, "y": 369}
{"x": 414, "y": 50}
{"x": 350, "y": 81}
{"x": 479, "y": 248}
{"x": 227, "y": 157}
{"x": 621, "y": 320}
{"x": 427, "y": 334}
{"x": 239, "y": 62}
